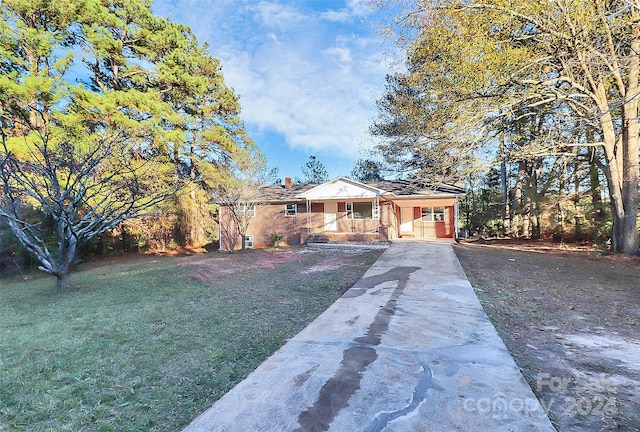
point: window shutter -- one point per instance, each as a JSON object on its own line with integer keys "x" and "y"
{"x": 447, "y": 221}
{"x": 342, "y": 207}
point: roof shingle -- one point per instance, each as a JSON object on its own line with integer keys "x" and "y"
{"x": 397, "y": 187}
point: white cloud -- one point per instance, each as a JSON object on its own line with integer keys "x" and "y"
{"x": 309, "y": 75}
{"x": 342, "y": 15}
{"x": 353, "y": 9}
{"x": 277, "y": 15}
{"x": 342, "y": 54}
{"x": 359, "y": 7}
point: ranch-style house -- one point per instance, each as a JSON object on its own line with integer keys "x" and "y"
{"x": 345, "y": 210}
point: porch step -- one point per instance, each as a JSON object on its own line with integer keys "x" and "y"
{"x": 318, "y": 238}
{"x": 350, "y": 245}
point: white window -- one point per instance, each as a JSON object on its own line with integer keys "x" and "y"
{"x": 248, "y": 242}
{"x": 248, "y": 210}
{"x": 362, "y": 210}
{"x": 290, "y": 209}
{"x": 432, "y": 214}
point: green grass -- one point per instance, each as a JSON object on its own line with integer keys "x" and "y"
{"x": 144, "y": 345}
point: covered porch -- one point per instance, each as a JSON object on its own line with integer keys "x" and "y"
{"x": 427, "y": 218}
{"x": 345, "y": 210}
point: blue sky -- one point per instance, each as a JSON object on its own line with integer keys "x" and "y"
{"x": 308, "y": 73}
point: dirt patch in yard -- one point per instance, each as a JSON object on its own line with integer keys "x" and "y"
{"x": 209, "y": 268}
{"x": 571, "y": 319}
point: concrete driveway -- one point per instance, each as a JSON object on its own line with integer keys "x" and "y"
{"x": 407, "y": 348}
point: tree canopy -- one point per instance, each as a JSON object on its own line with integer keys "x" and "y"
{"x": 367, "y": 170}
{"x": 106, "y": 112}
{"x": 540, "y": 84}
{"x": 313, "y": 171}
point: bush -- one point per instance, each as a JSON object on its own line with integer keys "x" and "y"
{"x": 276, "y": 238}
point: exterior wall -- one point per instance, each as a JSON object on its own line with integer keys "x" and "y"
{"x": 229, "y": 237}
{"x": 315, "y": 220}
{"x": 356, "y": 225}
{"x": 362, "y": 230}
{"x": 344, "y": 225}
{"x": 432, "y": 230}
{"x": 271, "y": 219}
{"x": 390, "y": 220}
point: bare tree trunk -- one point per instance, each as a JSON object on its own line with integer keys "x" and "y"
{"x": 621, "y": 152}
{"x": 622, "y": 179}
{"x": 627, "y": 230}
{"x": 596, "y": 194}
{"x": 561, "y": 213}
{"x": 576, "y": 201}
{"x": 193, "y": 213}
{"x": 517, "y": 205}
{"x": 526, "y": 218}
{"x": 535, "y": 198}
{"x": 503, "y": 185}
{"x": 63, "y": 279}
{"x": 529, "y": 210}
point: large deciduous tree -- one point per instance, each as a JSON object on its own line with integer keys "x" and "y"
{"x": 82, "y": 192}
{"x": 99, "y": 99}
{"x": 525, "y": 60}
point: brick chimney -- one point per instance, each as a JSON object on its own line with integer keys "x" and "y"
{"x": 288, "y": 183}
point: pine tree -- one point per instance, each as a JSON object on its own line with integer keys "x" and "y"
{"x": 314, "y": 171}
{"x": 106, "y": 111}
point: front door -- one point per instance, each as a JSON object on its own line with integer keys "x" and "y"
{"x": 406, "y": 220}
{"x": 331, "y": 216}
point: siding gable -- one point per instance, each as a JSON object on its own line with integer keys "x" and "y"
{"x": 341, "y": 189}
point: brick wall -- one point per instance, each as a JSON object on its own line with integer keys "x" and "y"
{"x": 271, "y": 219}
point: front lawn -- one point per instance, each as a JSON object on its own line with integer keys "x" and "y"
{"x": 147, "y": 343}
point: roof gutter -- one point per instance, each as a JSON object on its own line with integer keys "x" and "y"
{"x": 403, "y": 197}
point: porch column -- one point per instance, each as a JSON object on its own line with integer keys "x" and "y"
{"x": 308, "y": 217}
{"x": 375, "y": 213}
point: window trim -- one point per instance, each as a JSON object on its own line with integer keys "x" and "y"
{"x": 374, "y": 214}
{"x": 430, "y": 215}
{"x": 248, "y": 241}
{"x": 248, "y": 210}
{"x": 290, "y": 212}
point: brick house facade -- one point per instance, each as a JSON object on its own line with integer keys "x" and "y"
{"x": 346, "y": 210}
